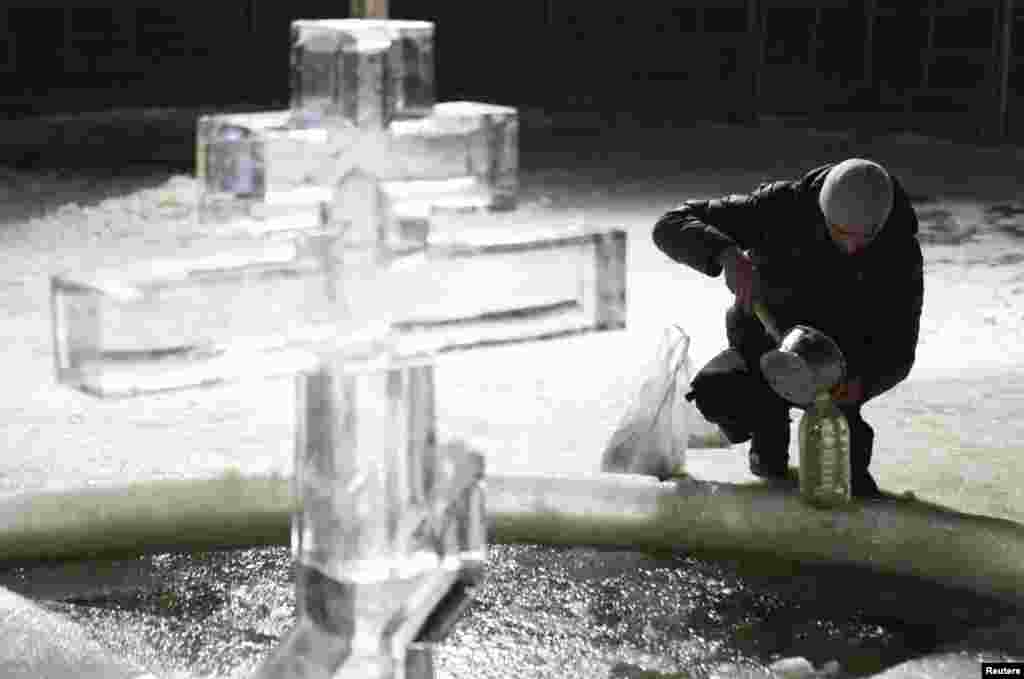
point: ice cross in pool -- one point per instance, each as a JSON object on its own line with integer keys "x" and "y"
{"x": 320, "y": 281}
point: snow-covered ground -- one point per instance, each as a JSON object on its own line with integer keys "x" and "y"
{"x": 949, "y": 432}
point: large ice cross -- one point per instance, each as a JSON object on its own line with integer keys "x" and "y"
{"x": 312, "y": 285}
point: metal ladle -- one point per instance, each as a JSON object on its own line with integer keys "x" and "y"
{"x": 806, "y": 361}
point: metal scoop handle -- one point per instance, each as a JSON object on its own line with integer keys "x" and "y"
{"x": 763, "y": 315}
{"x": 767, "y": 320}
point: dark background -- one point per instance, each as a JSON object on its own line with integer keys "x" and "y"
{"x": 931, "y": 64}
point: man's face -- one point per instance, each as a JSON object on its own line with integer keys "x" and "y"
{"x": 851, "y": 239}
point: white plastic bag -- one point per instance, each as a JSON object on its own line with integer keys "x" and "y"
{"x": 652, "y": 436}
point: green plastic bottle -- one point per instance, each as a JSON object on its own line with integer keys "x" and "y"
{"x": 824, "y": 454}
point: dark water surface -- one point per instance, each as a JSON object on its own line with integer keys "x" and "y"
{"x": 542, "y": 612}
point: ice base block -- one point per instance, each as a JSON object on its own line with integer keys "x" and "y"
{"x": 257, "y": 308}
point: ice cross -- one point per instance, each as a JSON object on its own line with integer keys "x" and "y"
{"x": 389, "y": 526}
{"x": 363, "y": 135}
{"x": 379, "y": 501}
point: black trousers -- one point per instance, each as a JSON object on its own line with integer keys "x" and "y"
{"x": 731, "y": 392}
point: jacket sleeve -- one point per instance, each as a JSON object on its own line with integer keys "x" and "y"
{"x": 893, "y": 336}
{"x": 696, "y": 233}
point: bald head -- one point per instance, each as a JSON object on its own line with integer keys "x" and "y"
{"x": 857, "y": 193}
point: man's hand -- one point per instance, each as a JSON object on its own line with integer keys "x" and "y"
{"x": 850, "y": 392}
{"x": 741, "y": 276}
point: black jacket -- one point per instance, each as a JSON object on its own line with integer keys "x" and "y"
{"x": 869, "y": 303}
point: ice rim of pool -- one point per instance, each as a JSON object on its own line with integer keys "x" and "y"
{"x": 613, "y": 588}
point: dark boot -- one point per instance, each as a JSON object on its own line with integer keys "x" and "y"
{"x": 863, "y": 485}
{"x": 862, "y": 441}
{"x": 769, "y": 451}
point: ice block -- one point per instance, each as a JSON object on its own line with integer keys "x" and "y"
{"x": 483, "y": 289}
{"x": 462, "y": 512}
{"x": 462, "y": 147}
{"x": 257, "y": 307}
{"x": 264, "y": 166}
{"x": 379, "y": 497}
{"x": 390, "y": 525}
{"x": 260, "y": 167}
{"x": 365, "y": 459}
{"x": 167, "y": 323}
{"x": 368, "y": 72}
{"x": 464, "y": 154}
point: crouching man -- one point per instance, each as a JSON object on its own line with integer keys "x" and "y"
{"x": 836, "y": 250}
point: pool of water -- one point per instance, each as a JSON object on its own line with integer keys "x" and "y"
{"x": 542, "y": 612}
